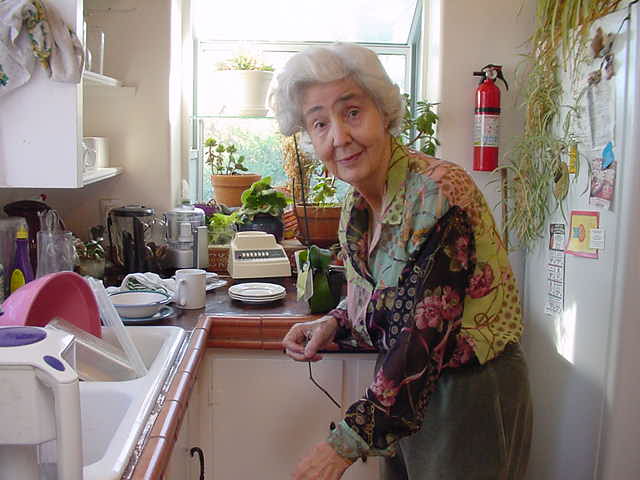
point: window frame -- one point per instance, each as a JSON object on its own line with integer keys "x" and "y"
{"x": 196, "y": 152}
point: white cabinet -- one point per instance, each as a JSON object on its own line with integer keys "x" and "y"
{"x": 184, "y": 462}
{"x": 41, "y": 127}
{"x": 263, "y": 414}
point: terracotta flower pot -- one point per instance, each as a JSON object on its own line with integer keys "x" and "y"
{"x": 322, "y": 223}
{"x": 227, "y": 189}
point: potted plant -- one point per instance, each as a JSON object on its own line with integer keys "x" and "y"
{"x": 319, "y": 216}
{"x": 262, "y": 209}
{"x": 222, "y": 228}
{"x": 228, "y": 176}
{"x": 91, "y": 258}
{"x": 316, "y": 208}
{"x": 245, "y": 81}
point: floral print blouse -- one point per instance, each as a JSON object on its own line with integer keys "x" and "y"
{"x": 431, "y": 287}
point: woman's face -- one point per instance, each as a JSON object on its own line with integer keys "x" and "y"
{"x": 348, "y": 132}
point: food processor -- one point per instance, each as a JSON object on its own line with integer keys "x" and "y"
{"x": 187, "y": 237}
{"x": 136, "y": 237}
{"x": 39, "y": 402}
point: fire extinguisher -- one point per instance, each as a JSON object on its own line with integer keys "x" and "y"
{"x": 486, "y": 132}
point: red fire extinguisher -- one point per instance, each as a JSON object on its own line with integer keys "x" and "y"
{"x": 486, "y": 132}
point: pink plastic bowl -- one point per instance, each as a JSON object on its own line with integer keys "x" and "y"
{"x": 64, "y": 295}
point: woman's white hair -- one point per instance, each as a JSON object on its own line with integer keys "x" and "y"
{"x": 322, "y": 64}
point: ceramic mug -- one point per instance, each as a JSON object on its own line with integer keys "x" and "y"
{"x": 191, "y": 288}
{"x": 96, "y": 152}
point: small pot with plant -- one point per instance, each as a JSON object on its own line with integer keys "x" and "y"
{"x": 228, "y": 177}
{"x": 316, "y": 207}
{"x": 222, "y": 228}
{"x": 262, "y": 209}
{"x": 245, "y": 80}
{"x": 91, "y": 258}
{"x": 319, "y": 217}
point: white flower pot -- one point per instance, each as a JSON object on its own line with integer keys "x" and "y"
{"x": 242, "y": 92}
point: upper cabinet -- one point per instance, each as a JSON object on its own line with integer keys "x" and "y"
{"x": 41, "y": 125}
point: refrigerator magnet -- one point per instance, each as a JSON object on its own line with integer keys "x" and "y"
{"x": 582, "y": 223}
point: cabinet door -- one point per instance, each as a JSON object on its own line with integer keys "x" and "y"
{"x": 264, "y": 413}
{"x": 41, "y": 125}
{"x": 182, "y": 465}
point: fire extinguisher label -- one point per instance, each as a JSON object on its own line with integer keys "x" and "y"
{"x": 486, "y": 131}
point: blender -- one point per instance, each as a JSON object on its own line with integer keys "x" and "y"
{"x": 135, "y": 236}
{"x": 187, "y": 237}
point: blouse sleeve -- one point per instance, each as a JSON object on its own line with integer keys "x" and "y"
{"x": 422, "y": 326}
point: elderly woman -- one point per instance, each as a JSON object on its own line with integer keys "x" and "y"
{"x": 429, "y": 286}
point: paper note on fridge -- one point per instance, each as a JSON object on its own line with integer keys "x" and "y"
{"x": 601, "y": 110}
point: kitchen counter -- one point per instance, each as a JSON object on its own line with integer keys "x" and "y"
{"x": 223, "y": 323}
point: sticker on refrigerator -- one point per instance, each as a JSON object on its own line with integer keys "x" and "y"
{"x": 582, "y": 222}
{"x": 603, "y": 184}
{"x": 555, "y": 270}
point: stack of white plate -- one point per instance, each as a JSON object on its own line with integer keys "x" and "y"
{"x": 256, "y": 292}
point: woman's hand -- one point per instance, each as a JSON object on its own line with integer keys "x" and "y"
{"x": 303, "y": 340}
{"x": 323, "y": 463}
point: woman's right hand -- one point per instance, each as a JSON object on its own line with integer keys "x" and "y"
{"x": 303, "y": 340}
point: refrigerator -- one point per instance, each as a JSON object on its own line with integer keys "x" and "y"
{"x": 582, "y": 314}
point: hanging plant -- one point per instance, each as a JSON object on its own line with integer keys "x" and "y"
{"x": 535, "y": 166}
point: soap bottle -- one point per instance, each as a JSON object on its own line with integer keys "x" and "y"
{"x": 21, "y": 272}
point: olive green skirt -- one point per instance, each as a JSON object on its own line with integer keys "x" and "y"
{"x": 477, "y": 426}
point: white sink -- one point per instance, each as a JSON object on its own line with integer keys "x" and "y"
{"x": 115, "y": 413}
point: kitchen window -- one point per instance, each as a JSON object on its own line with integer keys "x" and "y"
{"x": 391, "y": 29}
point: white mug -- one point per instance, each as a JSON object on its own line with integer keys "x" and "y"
{"x": 99, "y": 150}
{"x": 191, "y": 288}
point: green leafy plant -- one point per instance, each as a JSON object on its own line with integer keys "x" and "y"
{"x": 244, "y": 62}
{"x": 535, "y": 167}
{"x": 421, "y": 128}
{"x": 319, "y": 260}
{"x": 221, "y": 228}
{"x": 91, "y": 250}
{"x": 261, "y": 197}
{"x": 323, "y": 192}
{"x": 223, "y": 159}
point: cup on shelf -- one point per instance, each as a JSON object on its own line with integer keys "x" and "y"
{"x": 95, "y": 47}
{"x": 96, "y": 152}
{"x": 191, "y": 288}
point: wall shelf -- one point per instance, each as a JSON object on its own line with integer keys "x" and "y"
{"x": 100, "y": 174}
{"x": 102, "y": 85}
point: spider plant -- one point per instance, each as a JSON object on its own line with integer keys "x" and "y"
{"x": 535, "y": 167}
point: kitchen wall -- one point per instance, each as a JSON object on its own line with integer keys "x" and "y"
{"x": 461, "y": 37}
{"x": 144, "y": 139}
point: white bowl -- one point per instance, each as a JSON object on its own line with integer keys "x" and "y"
{"x": 138, "y": 303}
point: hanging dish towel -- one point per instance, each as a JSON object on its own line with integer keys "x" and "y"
{"x": 31, "y": 32}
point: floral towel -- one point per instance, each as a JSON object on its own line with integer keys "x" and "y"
{"x": 30, "y": 33}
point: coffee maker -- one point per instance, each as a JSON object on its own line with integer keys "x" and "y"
{"x": 136, "y": 237}
{"x": 187, "y": 237}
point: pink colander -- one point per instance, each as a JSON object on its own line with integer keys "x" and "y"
{"x": 64, "y": 295}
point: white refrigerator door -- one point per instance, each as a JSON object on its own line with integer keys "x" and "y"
{"x": 570, "y": 354}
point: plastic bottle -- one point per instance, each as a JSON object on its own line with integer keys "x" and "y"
{"x": 21, "y": 272}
